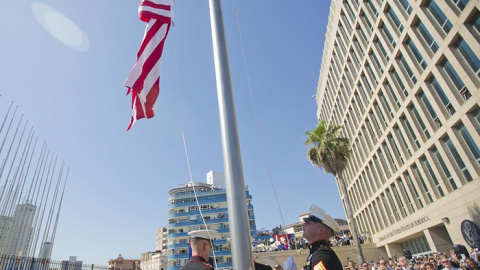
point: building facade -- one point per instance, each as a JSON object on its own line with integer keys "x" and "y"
{"x": 16, "y": 231}
{"x": 71, "y": 264}
{"x": 123, "y": 264}
{"x": 196, "y": 206}
{"x": 161, "y": 240}
{"x": 153, "y": 261}
{"x": 402, "y": 77}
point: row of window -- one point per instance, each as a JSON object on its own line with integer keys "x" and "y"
{"x": 409, "y": 80}
{"x": 372, "y": 65}
{"x": 447, "y": 165}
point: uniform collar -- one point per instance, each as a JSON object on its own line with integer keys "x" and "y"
{"x": 317, "y": 244}
{"x": 197, "y": 258}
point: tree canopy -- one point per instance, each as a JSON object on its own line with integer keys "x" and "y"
{"x": 328, "y": 150}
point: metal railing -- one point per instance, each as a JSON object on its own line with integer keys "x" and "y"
{"x": 10, "y": 262}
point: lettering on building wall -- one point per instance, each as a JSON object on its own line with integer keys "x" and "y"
{"x": 404, "y": 228}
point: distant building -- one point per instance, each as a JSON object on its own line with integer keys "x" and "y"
{"x": 185, "y": 216}
{"x": 153, "y": 261}
{"x": 71, "y": 264}
{"x": 16, "y": 231}
{"x": 123, "y": 264}
{"x": 161, "y": 240}
{"x": 45, "y": 250}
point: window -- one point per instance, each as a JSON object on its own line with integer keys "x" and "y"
{"x": 380, "y": 114}
{"x": 353, "y": 56}
{"x": 342, "y": 31}
{"x": 384, "y": 102}
{"x": 394, "y": 19}
{"x": 398, "y": 199}
{"x": 349, "y": 28}
{"x": 476, "y": 22}
{"x": 382, "y": 50}
{"x": 416, "y": 54}
{"x": 388, "y": 35}
{"x": 470, "y": 142}
{"x": 377, "y": 169}
{"x": 362, "y": 35}
{"x": 372, "y": 8}
{"x": 400, "y": 85}
{"x": 406, "y": 6}
{"x": 476, "y": 117}
{"x": 367, "y": 84}
{"x": 442, "y": 96}
{"x": 468, "y": 55}
{"x": 387, "y": 211}
{"x": 371, "y": 74}
{"x": 420, "y": 121}
{"x": 460, "y": 4}
{"x": 429, "y": 172}
{"x": 411, "y": 186}
{"x": 385, "y": 166}
{"x": 394, "y": 205}
{"x": 366, "y": 22}
{"x": 430, "y": 109}
{"x": 458, "y": 159}
{"x": 422, "y": 182}
{"x": 455, "y": 79}
{"x": 391, "y": 160}
{"x": 342, "y": 44}
{"x": 395, "y": 148}
{"x": 411, "y": 133}
{"x": 427, "y": 37}
{"x": 439, "y": 16}
{"x": 359, "y": 101}
{"x": 445, "y": 170}
{"x": 399, "y": 134}
{"x": 349, "y": 9}
{"x": 407, "y": 68}
{"x": 370, "y": 130}
{"x": 375, "y": 60}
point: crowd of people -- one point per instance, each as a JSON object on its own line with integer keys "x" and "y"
{"x": 433, "y": 261}
{"x": 339, "y": 239}
{"x": 345, "y": 239}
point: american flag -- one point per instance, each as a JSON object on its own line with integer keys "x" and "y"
{"x": 143, "y": 82}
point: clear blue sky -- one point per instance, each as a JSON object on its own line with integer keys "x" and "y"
{"x": 73, "y": 96}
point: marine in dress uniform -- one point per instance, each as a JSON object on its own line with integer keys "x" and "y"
{"x": 201, "y": 242}
{"x": 317, "y": 229}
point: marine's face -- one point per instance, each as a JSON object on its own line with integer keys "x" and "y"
{"x": 310, "y": 230}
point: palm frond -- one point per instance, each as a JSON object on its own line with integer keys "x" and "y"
{"x": 328, "y": 150}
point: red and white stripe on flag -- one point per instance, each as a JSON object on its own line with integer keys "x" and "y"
{"x": 143, "y": 82}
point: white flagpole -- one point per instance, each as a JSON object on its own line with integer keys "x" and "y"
{"x": 242, "y": 258}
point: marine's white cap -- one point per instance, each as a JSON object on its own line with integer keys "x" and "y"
{"x": 317, "y": 214}
{"x": 203, "y": 234}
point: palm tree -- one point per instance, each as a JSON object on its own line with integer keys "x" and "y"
{"x": 330, "y": 151}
